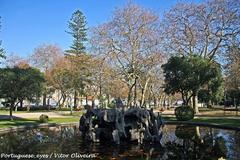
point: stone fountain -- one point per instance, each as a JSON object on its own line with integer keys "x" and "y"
{"x": 117, "y": 125}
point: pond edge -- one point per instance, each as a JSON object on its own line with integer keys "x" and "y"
{"x": 32, "y": 126}
{"x": 203, "y": 124}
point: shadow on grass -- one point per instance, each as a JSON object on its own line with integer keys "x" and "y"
{"x": 17, "y": 121}
{"x": 34, "y": 123}
{"x": 7, "y": 117}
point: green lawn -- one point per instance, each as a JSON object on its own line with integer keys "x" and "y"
{"x": 205, "y": 109}
{"x": 222, "y": 121}
{"x": 75, "y": 113}
{"x": 5, "y": 111}
{"x": 19, "y": 122}
{"x": 64, "y": 113}
{"x": 217, "y": 121}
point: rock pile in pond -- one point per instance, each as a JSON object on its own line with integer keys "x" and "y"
{"x": 115, "y": 125}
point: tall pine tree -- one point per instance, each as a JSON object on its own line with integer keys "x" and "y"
{"x": 77, "y": 28}
{"x": 1, "y": 49}
{"x": 77, "y": 53}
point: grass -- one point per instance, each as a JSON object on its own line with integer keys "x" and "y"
{"x": 20, "y": 122}
{"x": 75, "y": 113}
{"x": 215, "y": 121}
{"x": 34, "y": 121}
{"x": 6, "y": 111}
{"x": 205, "y": 109}
{"x": 64, "y": 112}
{"x": 17, "y": 112}
{"x": 218, "y": 121}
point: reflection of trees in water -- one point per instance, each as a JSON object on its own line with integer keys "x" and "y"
{"x": 178, "y": 142}
{"x": 235, "y": 145}
{"x": 122, "y": 151}
{"x": 43, "y": 140}
{"x": 194, "y": 145}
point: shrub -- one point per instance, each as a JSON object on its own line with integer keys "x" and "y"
{"x": 112, "y": 104}
{"x": 43, "y": 118}
{"x": 184, "y": 113}
{"x": 41, "y": 108}
{"x": 63, "y": 109}
{"x": 22, "y": 109}
{"x": 78, "y": 109}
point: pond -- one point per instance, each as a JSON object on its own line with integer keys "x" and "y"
{"x": 178, "y": 142}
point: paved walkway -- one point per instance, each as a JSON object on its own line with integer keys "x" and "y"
{"x": 35, "y": 115}
{"x": 167, "y": 113}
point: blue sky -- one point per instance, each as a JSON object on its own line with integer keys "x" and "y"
{"x": 26, "y": 24}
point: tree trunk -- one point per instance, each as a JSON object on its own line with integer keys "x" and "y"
{"x": 144, "y": 92}
{"x": 48, "y": 104}
{"x": 108, "y": 100}
{"x": 81, "y": 101}
{"x": 21, "y": 103}
{"x": 135, "y": 93}
{"x": 158, "y": 101}
{"x": 16, "y": 105}
{"x": 155, "y": 102}
{"x": 183, "y": 98}
{"x": 149, "y": 100}
{"x": 93, "y": 102}
{"x": 195, "y": 107}
{"x": 44, "y": 99}
{"x": 11, "y": 108}
{"x": 75, "y": 100}
{"x": 164, "y": 101}
{"x": 63, "y": 101}
{"x": 100, "y": 94}
{"x": 86, "y": 100}
{"x": 59, "y": 100}
{"x": 129, "y": 96}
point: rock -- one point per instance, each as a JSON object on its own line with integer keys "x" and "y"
{"x": 134, "y": 124}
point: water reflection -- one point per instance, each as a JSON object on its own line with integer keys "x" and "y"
{"x": 178, "y": 143}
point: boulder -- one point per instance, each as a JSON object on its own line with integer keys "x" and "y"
{"x": 115, "y": 125}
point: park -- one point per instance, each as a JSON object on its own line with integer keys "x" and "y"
{"x": 146, "y": 83}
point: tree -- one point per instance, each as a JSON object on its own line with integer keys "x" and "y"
{"x": 213, "y": 91}
{"x": 44, "y": 57}
{"x": 18, "y": 84}
{"x": 1, "y": 49}
{"x": 205, "y": 29}
{"x": 77, "y": 27}
{"x": 59, "y": 77}
{"x": 131, "y": 44}
{"x": 232, "y": 80}
{"x": 81, "y": 62}
{"x": 187, "y": 75}
{"x": 13, "y": 60}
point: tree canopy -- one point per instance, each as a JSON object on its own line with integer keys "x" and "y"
{"x": 2, "y": 52}
{"x": 18, "y": 84}
{"x": 77, "y": 29}
{"x": 205, "y": 29}
{"x": 188, "y": 74}
{"x": 130, "y": 43}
